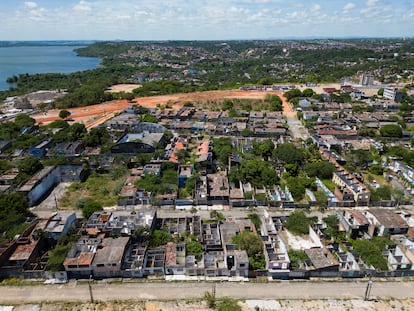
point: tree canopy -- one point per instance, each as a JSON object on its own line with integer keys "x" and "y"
{"x": 320, "y": 169}
{"x": 63, "y": 114}
{"x": 288, "y": 153}
{"x": 253, "y": 245}
{"x": 298, "y": 223}
{"x": 23, "y": 120}
{"x": 91, "y": 207}
{"x": 391, "y": 130}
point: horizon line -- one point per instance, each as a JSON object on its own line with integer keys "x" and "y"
{"x": 213, "y": 40}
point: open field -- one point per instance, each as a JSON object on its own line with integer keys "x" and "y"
{"x": 127, "y": 88}
{"x": 95, "y": 115}
{"x": 89, "y": 115}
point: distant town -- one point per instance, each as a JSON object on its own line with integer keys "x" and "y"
{"x": 268, "y": 160}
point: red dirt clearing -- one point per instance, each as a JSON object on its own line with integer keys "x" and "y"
{"x": 95, "y": 115}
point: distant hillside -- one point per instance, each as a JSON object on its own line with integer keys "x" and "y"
{"x": 45, "y": 43}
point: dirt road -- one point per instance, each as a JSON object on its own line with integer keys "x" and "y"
{"x": 190, "y": 290}
{"x": 295, "y": 126}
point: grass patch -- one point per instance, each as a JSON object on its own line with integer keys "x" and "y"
{"x": 101, "y": 188}
{"x": 329, "y": 184}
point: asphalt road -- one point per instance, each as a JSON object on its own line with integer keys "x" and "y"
{"x": 189, "y": 290}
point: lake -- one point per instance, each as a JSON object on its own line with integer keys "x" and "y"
{"x": 41, "y": 59}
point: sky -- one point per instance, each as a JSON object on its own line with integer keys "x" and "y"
{"x": 203, "y": 19}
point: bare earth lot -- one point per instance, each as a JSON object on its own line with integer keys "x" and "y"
{"x": 95, "y": 115}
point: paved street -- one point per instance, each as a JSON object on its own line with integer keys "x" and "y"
{"x": 188, "y": 290}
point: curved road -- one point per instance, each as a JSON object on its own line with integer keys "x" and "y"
{"x": 188, "y": 290}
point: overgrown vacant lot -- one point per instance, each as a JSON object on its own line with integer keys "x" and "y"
{"x": 100, "y": 188}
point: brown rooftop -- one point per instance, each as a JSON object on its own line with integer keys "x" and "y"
{"x": 84, "y": 259}
{"x": 389, "y": 219}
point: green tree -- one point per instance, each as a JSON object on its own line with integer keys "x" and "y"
{"x": 371, "y": 251}
{"x": 382, "y": 193}
{"x": 12, "y": 203}
{"x": 264, "y": 148}
{"x": 292, "y": 93}
{"x": 13, "y": 209}
{"x": 217, "y": 216}
{"x": 291, "y": 169}
{"x": 57, "y": 257}
{"x": 288, "y": 153}
{"x": 274, "y": 101}
{"x": 142, "y": 234}
{"x": 159, "y": 238}
{"x": 307, "y": 93}
{"x": 222, "y": 149}
{"x": 97, "y": 136}
{"x": 23, "y": 120}
{"x": 298, "y": 223}
{"x": 148, "y": 118}
{"x": 29, "y": 166}
{"x": 376, "y": 169}
{"x": 297, "y": 258}
{"x": 320, "y": 169}
{"x": 259, "y": 173}
{"x": 255, "y": 219}
{"x": 5, "y": 165}
{"x": 63, "y": 114}
{"x": 227, "y": 104}
{"x": 253, "y": 245}
{"x": 63, "y": 124}
{"x": 194, "y": 248}
{"x": 391, "y": 130}
{"x": 380, "y": 91}
{"x": 91, "y": 207}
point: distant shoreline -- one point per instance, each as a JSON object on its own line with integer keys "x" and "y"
{"x": 7, "y": 43}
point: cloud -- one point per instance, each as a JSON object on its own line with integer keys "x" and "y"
{"x": 349, "y": 6}
{"x": 372, "y": 2}
{"x": 30, "y": 4}
{"x": 203, "y": 19}
{"x": 83, "y": 6}
{"x": 261, "y": 1}
{"x": 316, "y": 7}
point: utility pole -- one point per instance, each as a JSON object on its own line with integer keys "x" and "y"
{"x": 90, "y": 288}
{"x": 368, "y": 289}
{"x": 56, "y": 202}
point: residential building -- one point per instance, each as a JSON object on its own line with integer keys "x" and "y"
{"x": 384, "y": 221}
{"x": 109, "y": 256}
{"x": 59, "y": 224}
{"x": 40, "y": 149}
{"x": 366, "y": 79}
{"x": 354, "y": 222}
{"x": 321, "y": 259}
{"x": 39, "y": 184}
{"x": 392, "y": 94}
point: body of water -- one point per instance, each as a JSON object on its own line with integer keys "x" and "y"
{"x": 41, "y": 59}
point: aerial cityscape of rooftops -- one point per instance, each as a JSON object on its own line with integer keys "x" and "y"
{"x": 222, "y": 160}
